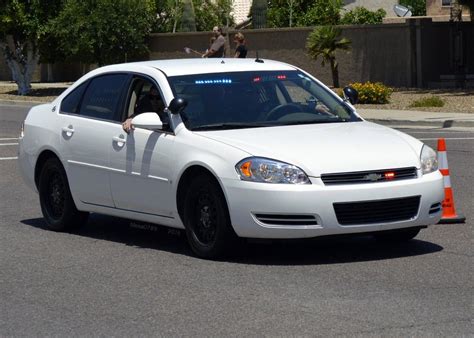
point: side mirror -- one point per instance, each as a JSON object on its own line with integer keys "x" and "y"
{"x": 150, "y": 121}
{"x": 177, "y": 105}
{"x": 351, "y": 95}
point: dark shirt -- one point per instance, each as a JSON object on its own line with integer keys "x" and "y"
{"x": 242, "y": 50}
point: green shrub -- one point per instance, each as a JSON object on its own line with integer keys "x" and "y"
{"x": 372, "y": 93}
{"x": 432, "y": 101}
{"x": 361, "y": 15}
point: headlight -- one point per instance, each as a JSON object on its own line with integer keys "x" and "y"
{"x": 258, "y": 169}
{"x": 429, "y": 160}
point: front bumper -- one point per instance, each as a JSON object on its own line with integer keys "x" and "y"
{"x": 248, "y": 199}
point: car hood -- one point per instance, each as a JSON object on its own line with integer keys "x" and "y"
{"x": 327, "y": 148}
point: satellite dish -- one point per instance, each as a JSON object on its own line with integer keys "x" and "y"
{"x": 402, "y": 11}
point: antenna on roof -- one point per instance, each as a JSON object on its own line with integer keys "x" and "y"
{"x": 257, "y": 59}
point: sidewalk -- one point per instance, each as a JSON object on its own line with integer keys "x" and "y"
{"x": 388, "y": 117}
{"x": 413, "y": 118}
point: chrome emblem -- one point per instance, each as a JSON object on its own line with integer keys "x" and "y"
{"x": 373, "y": 177}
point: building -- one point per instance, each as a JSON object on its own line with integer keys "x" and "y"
{"x": 440, "y": 10}
{"x": 373, "y": 5}
{"x": 241, "y": 9}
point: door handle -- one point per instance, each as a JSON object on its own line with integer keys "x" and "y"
{"x": 69, "y": 130}
{"x": 120, "y": 140}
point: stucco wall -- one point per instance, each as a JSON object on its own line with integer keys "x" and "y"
{"x": 378, "y": 53}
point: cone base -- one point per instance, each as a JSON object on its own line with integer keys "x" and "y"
{"x": 452, "y": 220}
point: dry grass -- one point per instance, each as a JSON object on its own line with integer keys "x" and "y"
{"x": 455, "y": 100}
{"x": 39, "y": 93}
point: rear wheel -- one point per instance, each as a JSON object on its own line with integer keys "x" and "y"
{"x": 56, "y": 201}
{"x": 206, "y": 219}
{"x": 399, "y": 235}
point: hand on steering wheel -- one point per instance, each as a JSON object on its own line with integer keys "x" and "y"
{"x": 281, "y": 110}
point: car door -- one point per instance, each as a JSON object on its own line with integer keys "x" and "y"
{"x": 88, "y": 128}
{"x": 141, "y": 163}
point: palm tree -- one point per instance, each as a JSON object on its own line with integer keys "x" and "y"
{"x": 469, "y": 4}
{"x": 324, "y": 41}
{"x": 188, "y": 20}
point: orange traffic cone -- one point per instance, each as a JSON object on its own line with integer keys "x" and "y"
{"x": 449, "y": 211}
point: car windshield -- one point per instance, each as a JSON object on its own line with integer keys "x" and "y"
{"x": 256, "y": 99}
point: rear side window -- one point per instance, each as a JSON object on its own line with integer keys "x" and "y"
{"x": 70, "y": 104}
{"x": 102, "y": 97}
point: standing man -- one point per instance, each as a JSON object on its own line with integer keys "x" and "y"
{"x": 217, "y": 49}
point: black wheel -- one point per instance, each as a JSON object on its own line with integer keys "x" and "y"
{"x": 206, "y": 219}
{"x": 56, "y": 201}
{"x": 399, "y": 235}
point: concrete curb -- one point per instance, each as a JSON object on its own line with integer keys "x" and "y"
{"x": 21, "y": 103}
{"x": 444, "y": 124}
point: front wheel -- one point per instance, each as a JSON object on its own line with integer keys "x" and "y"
{"x": 56, "y": 201}
{"x": 206, "y": 219}
{"x": 399, "y": 235}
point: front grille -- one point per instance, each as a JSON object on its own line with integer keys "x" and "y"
{"x": 286, "y": 219}
{"x": 369, "y": 176}
{"x": 380, "y": 211}
{"x": 435, "y": 208}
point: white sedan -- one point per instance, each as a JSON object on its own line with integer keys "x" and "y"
{"x": 225, "y": 148}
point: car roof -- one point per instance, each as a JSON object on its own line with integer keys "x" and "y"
{"x": 177, "y": 67}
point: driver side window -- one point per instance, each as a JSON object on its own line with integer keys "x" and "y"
{"x": 144, "y": 97}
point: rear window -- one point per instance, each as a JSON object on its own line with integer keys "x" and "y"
{"x": 102, "y": 97}
{"x": 70, "y": 104}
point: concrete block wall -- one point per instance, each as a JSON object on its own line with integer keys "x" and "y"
{"x": 378, "y": 52}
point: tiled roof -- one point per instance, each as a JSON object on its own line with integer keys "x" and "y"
{"x": 241, "y": 10}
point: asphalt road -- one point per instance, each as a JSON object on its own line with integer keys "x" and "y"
{"x": 114, "y": 279}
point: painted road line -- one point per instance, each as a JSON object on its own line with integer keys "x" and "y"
{"x": 8, "y": 144}
{"x": 447, "y": 138}
{"x": 9, "y": 139}
{"x": 8, "y": 158}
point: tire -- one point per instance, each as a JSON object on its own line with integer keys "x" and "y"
{"x": 206, "y": 218}
{"x": 56, "y": 202}
{"x": 400, "y": 235}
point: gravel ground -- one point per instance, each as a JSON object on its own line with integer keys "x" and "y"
{"x": 456, "y": 101}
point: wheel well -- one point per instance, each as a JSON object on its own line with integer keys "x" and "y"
{"x": 184, "y": 182}
{"x": 44, "y": 156}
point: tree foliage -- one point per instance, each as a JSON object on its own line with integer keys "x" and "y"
{"x": 324, "y": 42}
{"x": 302, "y": 13}
{"x": 22, "y": 24}
{"x": 208, "y": 13}
{"x": 361, "y": 15}
{"x": 104, "y": 31}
